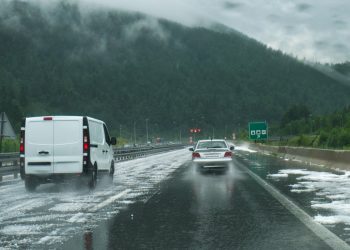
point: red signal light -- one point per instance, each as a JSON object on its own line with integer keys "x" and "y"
{"x": 86, "y": 146}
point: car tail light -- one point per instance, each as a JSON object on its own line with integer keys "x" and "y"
{"x": 228, "y": 154}
{"x": 196, "y": 155}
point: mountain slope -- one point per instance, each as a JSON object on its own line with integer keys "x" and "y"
{"x": 126, "y": 67}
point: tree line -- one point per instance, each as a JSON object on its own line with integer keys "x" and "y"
{"x": 124, "y": 68}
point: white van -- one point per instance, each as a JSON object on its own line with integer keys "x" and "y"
{"x": 55, "y": 147}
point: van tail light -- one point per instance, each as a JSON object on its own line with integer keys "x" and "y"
{"x": 196, "y": 155}
{"x": 228, "y": 154}
{"x": 22, "y": 150}
{"x": 86, "y": 145}
{"x": 47, "y": 118}
{"x": 21, "y": 145}
{"x": 86, "y": 140}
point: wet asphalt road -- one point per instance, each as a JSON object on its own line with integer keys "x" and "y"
{"x": 211, "y": 210}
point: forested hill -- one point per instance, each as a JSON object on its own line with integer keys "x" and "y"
{"x": 123, "y": 67}
{"x": 342, "y": 68}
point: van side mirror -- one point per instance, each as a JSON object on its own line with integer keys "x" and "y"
{"x": 113, "y": 141}
{"x": 232, "y": 148}
{"x": 191, "y": 149}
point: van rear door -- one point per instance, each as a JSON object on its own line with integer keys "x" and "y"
{"x": 68, "y": 145}
{"x": 39, "y": 149}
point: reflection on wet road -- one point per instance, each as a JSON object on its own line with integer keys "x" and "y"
{"x": 193, "y": 210}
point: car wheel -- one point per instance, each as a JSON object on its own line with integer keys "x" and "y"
{"x": 93, "y": 177}
{"x": 30, "y": 183}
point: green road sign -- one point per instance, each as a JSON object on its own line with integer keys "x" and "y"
{"x": 258, "y": 131}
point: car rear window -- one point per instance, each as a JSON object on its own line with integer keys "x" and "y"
{"x": 211, "y": 144}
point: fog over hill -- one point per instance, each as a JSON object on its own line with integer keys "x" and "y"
{"x": 126, "y": 67}
{"x": 314, "y": 30}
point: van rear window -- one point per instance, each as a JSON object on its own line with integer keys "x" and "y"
{"x": 67, "y": 132}
{"x": 39, "y": 132}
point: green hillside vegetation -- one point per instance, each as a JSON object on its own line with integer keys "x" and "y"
{"x": 325, "y": 131}
{"x": 126, "y": 67}
{"x": 343, "y": 68}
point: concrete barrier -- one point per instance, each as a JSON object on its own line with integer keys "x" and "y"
{"x": 326, "y": 157}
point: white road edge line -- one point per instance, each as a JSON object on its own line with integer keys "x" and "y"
{"x": 322, "y": 232}
{"x": 109, "y": 201}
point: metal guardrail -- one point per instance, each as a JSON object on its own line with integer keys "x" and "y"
{"x": 124, "y": 154}
{"x": 9, "y": 162}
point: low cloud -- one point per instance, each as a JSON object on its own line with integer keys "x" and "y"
{"x": 150, "y": 25}
{"x": 291, "y": 26}
{"x": 303, "y": 7}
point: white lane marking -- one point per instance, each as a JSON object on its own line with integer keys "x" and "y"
{"x": 109, "y": 201}
{"x": 323, "y": 233}
{"x": 77, "y": 218}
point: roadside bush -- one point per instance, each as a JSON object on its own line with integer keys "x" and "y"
{"x": 10, "y": 146}
{"x": 323, "y": 138}
{"x": 305, "y": 140}
{"x": 344, "y": 138}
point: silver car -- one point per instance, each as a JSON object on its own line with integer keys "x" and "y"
{"x": 212, "y": 153}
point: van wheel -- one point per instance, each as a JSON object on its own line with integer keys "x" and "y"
{"x": 111, "y": 172}
{"x": 30, "y": 183}
{"x": 93, "y": 177}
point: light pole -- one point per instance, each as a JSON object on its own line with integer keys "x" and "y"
{"x": 134, "y": 133}
{"x": 225, "y": 131}
{"x": 120, "y": 131}
{"x": 175, "y": 129}
{"x": 147, "y": 131}
{"x": 2, "y": 125}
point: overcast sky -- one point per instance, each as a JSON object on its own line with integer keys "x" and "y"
{"x": 318, "y": 30}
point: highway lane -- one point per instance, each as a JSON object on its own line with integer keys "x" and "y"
{"x": 54, "y": 213}
{"x": 194, "y": 210}
{"x": 161, "y": 202}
